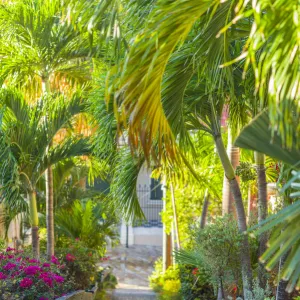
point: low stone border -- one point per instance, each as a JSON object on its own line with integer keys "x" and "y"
{"x": 80, "y": 295}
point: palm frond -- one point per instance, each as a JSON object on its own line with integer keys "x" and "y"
{"x": 69, "y": 148}
{"x": 285, "y": 239}
{"x": 258, "y": 136}
{"x": 273, "y": 49}
{"x": 141, "y": 91}
{"x": 123, "y": 188}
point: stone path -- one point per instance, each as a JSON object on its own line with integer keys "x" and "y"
{"x": 132, "y": 267}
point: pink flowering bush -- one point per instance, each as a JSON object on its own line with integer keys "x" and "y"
{"x": 80, "y": 262}
{"x": 24, "y": 278}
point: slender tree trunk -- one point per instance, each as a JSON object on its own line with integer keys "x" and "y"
{"x": 2, "y": 221}
{"x": 167, "y": 240}
{"x": 204, "y": 209}
{"x": 49, "y": 191}
{"x": 281, "y": 293}
{"x": 227, "y": 197}
{"x": 34, "y": 220}
{"x": 240, "y": 211}
{"x": 49, "y": 212}
{"x": 221, "y": 295}
{"x": 175, "y": 216}
{"x": 262, "y": 212}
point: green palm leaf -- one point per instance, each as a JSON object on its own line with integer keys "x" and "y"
{"x": 123, "y": 188}
{"x": 258, "y": 136}
{"x": 169, "y": 24}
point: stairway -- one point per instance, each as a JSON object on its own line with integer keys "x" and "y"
{"x": 131, "y": 294}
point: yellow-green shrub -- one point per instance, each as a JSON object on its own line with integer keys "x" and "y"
{"x": 166, "y": 284}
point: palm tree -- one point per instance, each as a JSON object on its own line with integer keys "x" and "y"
{"x": 26, "y": 136}
{"x": 284, "y": 241}
{"x": 185, "y": 104}
{"x": 50, "y": 55}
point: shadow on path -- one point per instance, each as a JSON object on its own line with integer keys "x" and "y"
{"x": 132, "y": 266}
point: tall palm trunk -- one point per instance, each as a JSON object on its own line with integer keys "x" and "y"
{"x": 49, "y": 212}
{"x": 262, "y": 212}
{"x": 234, "y": 157}
{"x": 240, "y": 211}
{"x": 2, "y": 226}
{"x": 221, "y": 294}
{"x": 49, "y": 191}
{"x": 204, "y": 209}
{"x": 175, "y": 217}
{"x": 34, "y": 220}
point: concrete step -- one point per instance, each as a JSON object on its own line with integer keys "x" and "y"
{"x": 131, "y": 294}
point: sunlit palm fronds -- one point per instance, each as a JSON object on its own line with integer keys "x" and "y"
{"x": 123, "y": 188}
{"x": 258, "y": 136}
{"x": 169, "y": 24}
{"x": 284, "y": 240}
{"x": 25, "y": 142}
{"x": 38, "y": 43}
{"x": 91, "y": 222}
{"x": 273, "y": 50}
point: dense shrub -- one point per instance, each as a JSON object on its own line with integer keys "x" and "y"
{"x": 218, "y": 247}
{"x": 195, "y": 284}
{"x": 166, "y": 284}
{"x": 80, "y": 263}
{"x": 22, "y": 277}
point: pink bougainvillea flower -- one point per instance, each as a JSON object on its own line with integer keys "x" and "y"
{"x": 2, "y": 276}
{"x": 48, "y": 281}
{"x": 33, "y": 261}
{"x": 31, "y": 270}
{"x": 9, "y": 266}
{"x": 8, "y": 249}
{"x": 46, "y": 265}
{"x": 43, "y": 298}
{"x": 61, "y": 266}
{"x": 54, "y": 260}
{"x": 26, "y": 283}
{"x": 70, "y": 257}
{"x": 58, "y": 279}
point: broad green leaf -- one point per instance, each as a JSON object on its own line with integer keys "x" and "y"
{"x": 258, "y": 136}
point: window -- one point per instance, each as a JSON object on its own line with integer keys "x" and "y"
{"x": 156, "y": 190}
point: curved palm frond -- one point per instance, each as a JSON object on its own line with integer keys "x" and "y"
{"x": 141, "y": 91}
{"x": 258, "y": 136}
{"x": 105, "y": 139}
{"x": 69, "y": 148}
{"x": 284, "y": 239}
{"x": 123, "y": 188}
{"x": 273, "y": 50}
{"x": 179, "y": 71}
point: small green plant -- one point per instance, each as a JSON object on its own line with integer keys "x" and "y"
{"x": 2, "y": 244}
{"x": 246, "y": 171}
{"x": 166, "y": 284}
{"x": 195, "y": 284}
{"x": 258, "y": 293}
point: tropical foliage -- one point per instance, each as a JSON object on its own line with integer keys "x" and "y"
{"x": 100, "y": 90}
